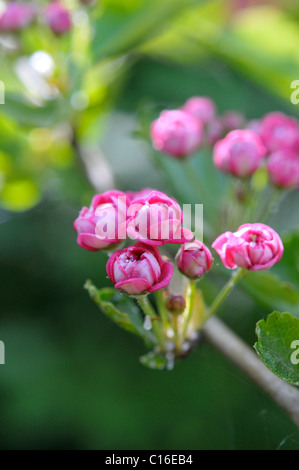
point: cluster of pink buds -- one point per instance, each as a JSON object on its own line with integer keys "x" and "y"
{"x": 19, "y": 15}
{"x": 280, "y": 134}
{"x": 272, "y": 141}
{"x": 181, "y": 132}
{"x": 240, "y": 148}
{"x": 152, "y": 219}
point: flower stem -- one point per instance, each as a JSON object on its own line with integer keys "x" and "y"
{"x": 162, "y": 309}
{"x": 149, "y": 311}
{"x": 224, "y": 292}
{"x": 272, "y": 204}
{"x": 190, "y": 302}
{"x": 193, "y": 179}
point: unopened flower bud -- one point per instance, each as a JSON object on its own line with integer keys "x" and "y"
{"x": 16, "y": 16}
{"x": 201, "y": 107}
{"x": 175, "y": 304}
{"x": 255, "y": 247}
{"x": 279, "y": 131}
{"x": 139, "y": 270}
{"x": 239, "y": 153}
{"x": 283, "y": 168}
{"x": 194, "y": 259}
{"x": 58, "y": 17}
{"x": 177, "y": 133}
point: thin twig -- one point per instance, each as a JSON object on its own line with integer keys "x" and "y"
{"x": 238, "y": 352}
{"x": 93, "y": 165}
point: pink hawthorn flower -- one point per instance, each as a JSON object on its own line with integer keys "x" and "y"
{"x": 16, "y": 16}
{"x": 255, "y": 247}
{"x": 103, "y": 224}
{"x": 177, "y": 133}
{"x": 157, "y": 219}
{"x": 139, "y": 270}
{"x": 201, "y": 107}
{"x": 194, "y": 259}
{"x": 279, "y": 131}
{"x": 58, "y": 17}
{"x": 239, "y": 153}
{"x": 283, "y": 168}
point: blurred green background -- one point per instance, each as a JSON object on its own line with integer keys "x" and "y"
{"x": 72, "y": 379}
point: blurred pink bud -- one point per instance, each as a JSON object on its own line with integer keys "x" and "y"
{"x": 58, "y": 17}
{"x": 255, "y": 126}
{"x": 157, "y": 219}
{"x": 233, "y": 120}
{"x": 201, "y": 107}
{"x": 176, "y": 133}
{"x": 279, "y": 131}
{"x": 139, "y": 269}
{"x": 214, "y": 131}
{"x": 194, "y": 259}
{"x": 16, "y": 16}
{"x": 255, "y": 247}
{"x": 103, "y": 224}
{"x": 283, "y": 168}
{"x": 239, "y": 153}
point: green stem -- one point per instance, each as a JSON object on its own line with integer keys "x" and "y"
{"x": 193, "y": 179}
{"x": 273, "y": 202}
{"x": 148, "y": 310}
{"x": 162, "y": 309}
{"x": 160, "y": 164}
{"x": 190, "y": 301}
{"x": 236, "y": 276}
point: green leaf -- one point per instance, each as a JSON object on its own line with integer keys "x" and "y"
{"x": 268, "y": 289}
{"x": 288, "y": 266}
{"x": 278, "y": 345}
{"x": 25, "y": 113}
{"x": 154, "y": 361}
{"x": 121, "y": 309}
{"x": 119, "y": 30}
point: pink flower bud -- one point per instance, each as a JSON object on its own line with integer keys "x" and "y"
{"x": 255, "y": 247}
{"x": 254, "y": 125}
{"x": 283, "y": 168}
{"x": 194, "y": 259}
{"x": 139, "y": 269}
{"x": 177, "y": 133}
{"x": 157, "y": 219}
{"x": 233, "y": 120}
{"x": 103, "y": 224}
{"x": 214, "y": 131}
{"x": 279, "y": 131}
{"x": 58, "y": 17}
{"x": 201, "y": 107}
{"x": 16, "y": 16}
{"x": 239, "y": 153}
